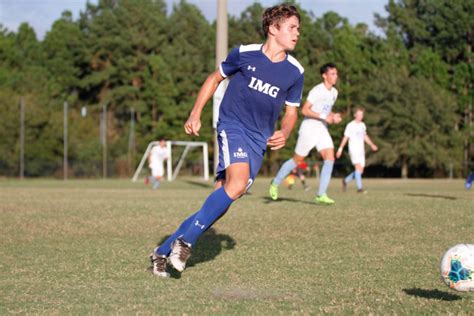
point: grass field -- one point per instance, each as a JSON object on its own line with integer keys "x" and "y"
{"x": 81, "y": 247}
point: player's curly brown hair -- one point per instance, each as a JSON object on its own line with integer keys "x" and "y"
{"x": 277, "y": 14}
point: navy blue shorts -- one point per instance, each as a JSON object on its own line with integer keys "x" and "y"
{"x": 235, "y": 146}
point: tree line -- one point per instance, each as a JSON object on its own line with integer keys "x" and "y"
{"x": 414, "y": 79}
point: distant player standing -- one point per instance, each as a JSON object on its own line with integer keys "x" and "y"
{"x": 356, "y": 134}
{"x": 158, "y": 154}
{"x": 263, "y": 79}
{"x": 314, "y": 133}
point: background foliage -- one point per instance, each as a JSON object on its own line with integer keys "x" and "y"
{"x": 415, "y": 82}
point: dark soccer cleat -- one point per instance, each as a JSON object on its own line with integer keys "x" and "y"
{"x": 180, "y": 253}
{"x": 361, "y": 191}
{"x": 158, "y": 264}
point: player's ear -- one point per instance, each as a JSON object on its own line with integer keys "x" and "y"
{"x": 272, "y": 29}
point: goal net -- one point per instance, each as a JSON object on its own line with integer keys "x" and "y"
{"x": 179, "y": 159}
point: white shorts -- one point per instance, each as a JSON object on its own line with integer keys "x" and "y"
{"x": 157, "y": 171}
{"x": 312, "y": 136}
{"x": 357, "y": 158}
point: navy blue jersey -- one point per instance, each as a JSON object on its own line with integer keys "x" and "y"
{"x": 258, "y": 89}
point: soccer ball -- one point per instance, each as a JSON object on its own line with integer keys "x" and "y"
{"x": 290, "y": 180}
{"x": 457, "y": 267}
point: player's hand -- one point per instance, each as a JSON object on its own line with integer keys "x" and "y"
{"x": 277, "y": 140}
{"x": 192, "y": 125}
{"x": 374, "y": 148}
{"x": 329, "y": 118}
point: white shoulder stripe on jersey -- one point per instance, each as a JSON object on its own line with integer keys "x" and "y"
{"x": 293, "y": 60}
{"x": 222, "y": 71}
{"x": 292, "y": 103}
{"x": 249, "y": 48}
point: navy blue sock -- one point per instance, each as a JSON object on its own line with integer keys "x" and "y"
{"x": 165, "y": 247}
{"x": 213, "y": 208}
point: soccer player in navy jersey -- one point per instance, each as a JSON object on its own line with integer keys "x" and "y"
{"x": 469, "y": 180}
{"x": 263, "y": 78}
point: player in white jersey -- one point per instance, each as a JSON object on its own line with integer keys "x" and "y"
{"x": 314, "y": 133}
{"x": 158, "y": 154}
{"x": 356, "y": 134}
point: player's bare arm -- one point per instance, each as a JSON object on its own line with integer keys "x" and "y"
{"x": 341, "y": 147}
{"x": 370, "y": 143}
{"x": 193, "y": 124}
{"x": 279, "y": 137}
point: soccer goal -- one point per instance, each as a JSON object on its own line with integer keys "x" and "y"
{"x": 172, "y": 170}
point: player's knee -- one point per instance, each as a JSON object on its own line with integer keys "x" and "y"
{"x": 328, "y": 155}
{"x": 236, "y": 188}
{"x": 359, "y": 168}
{"x": 298, "y": 159}
{"x": 329, "y": 158}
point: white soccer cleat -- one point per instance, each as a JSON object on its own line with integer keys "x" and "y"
{"x": 180, "y": 253}
{"x": 158, "y": 265}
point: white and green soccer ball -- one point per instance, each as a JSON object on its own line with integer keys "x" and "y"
{"x": 457, "y": 267}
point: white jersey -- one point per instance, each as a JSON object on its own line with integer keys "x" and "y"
{"x": 158, "y": 154}
{"x": 356, "y": 132}
{"x": 322, "y": 101}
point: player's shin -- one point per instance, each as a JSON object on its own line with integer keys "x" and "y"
{"x": 326, "y": 173}
{"x": 349, "y": 178}
{"x": 358, "y": 177}
{"x": 284, "y": 171}
{"x": 214, "y": 206}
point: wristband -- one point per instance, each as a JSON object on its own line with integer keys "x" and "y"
{"x": 323, "y": 116}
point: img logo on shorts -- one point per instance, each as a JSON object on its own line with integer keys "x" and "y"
{"x": 240, "y": 153}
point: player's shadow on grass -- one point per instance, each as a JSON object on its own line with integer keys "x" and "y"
{"x": 268, "y": 200}
{"x": 209, "y": 246}
{"x": 200, "y": 184}
{"x": 446, "y": 197}
{"x": 432, "y": 294}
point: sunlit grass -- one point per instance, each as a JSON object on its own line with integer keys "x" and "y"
{"x": 82, "y": 246}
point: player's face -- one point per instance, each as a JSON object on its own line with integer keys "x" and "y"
{"x": 359, "y": 116}
{"x": 287, "y": 34}
{"x": 330, "y": 76}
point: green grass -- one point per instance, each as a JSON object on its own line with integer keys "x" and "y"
{"x": 82, "y": 246}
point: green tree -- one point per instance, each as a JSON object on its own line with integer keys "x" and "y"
{"x": 65, "y": 52}
{"x": 414, "y": 120}
{"x": 444, "y": 27}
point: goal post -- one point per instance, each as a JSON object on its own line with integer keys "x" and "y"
{"x": 170, "y": 173}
